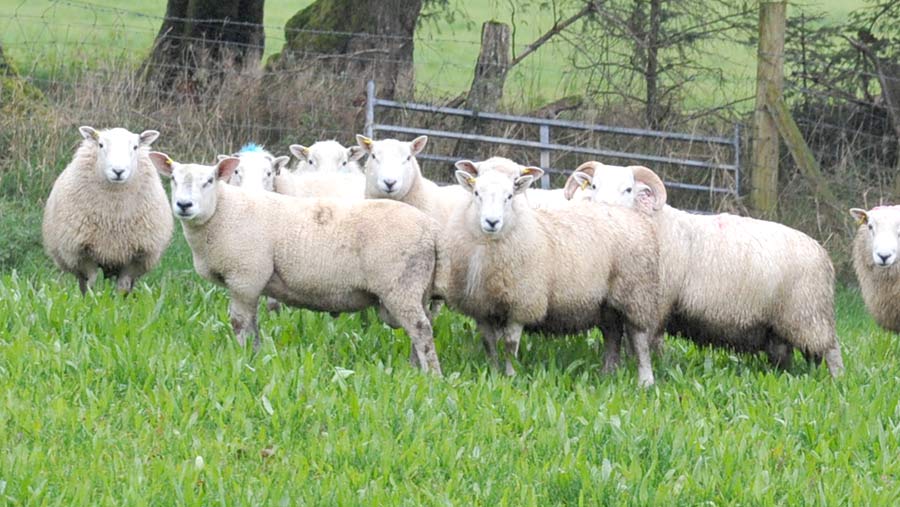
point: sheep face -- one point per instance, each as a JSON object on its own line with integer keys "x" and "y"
{"x": 391, "y": 168}
{"x": 327, "y": 156}
{"x": 494, "y": 192}
{"x": 118, "y": 151}
{"x": 883, "y": 224}
{"x": 257, "y": 170}
{"x": 194, "y": 185}
{"x": 609, "y": 185}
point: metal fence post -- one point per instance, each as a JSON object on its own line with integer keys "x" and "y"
{"x": 370, "y": 109}
{"x": 545, "y": 156}
{"x": 737, "y": 159}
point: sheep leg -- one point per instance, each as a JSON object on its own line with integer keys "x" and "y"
{"x": 780, "y": 353}
{"x": 243, "y": 319}
{"x": 612, "y": 344}
{"x": 273, "y": 305}
{"x": 417, "y": 325}
{"x": 834, "y": 361}
{"x": 512, "y": 334}
{"x": 87, "y": 276}
{"x": 489, "y": 339}
{"x": 641, "y": 341}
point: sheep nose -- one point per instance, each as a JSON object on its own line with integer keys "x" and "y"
{"x": 118, "y": 173}
{"x": 492, "y": 222}
{"x": 390, "y": 184}
{"x": 884, "y": 257}
{"x": 184, "y": 205}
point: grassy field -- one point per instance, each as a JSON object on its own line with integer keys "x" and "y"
{"x": 49, "y": 35}
{"x": 147, "y": 400}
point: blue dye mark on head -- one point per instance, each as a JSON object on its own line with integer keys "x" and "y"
{"x": 251, "y": 147}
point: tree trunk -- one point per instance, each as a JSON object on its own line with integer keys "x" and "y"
{"x": 200, "y": 39}
{"x": 487, "y": 85}
{"x": 654, "y": 113}
{"x": 365, "y": 39}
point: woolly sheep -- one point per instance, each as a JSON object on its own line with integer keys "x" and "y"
{"x": 511, "y": 267}
{"x": 328, "y": 157}
{"x": 392, "y": 172}
{"x": 258, "y": 168}
{"x": 108, "y": 210}
{"x": 320, "y": 254}
{"x": 730, "y": 280}
{"x": 875, "y": 251}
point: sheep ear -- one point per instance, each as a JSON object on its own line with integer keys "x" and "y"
{"x": 89, "y": 133}
{"x": 467, "y": 166}
{"x": 523, "y": 182}
{"x": 418, "y": 144}
{"x": 537, "y": 172}
{"x": 355, "y": 153}
{"x": 162, "y": 162}
{"x": 148, "y": 136}
{"x": 221, "y": 157}
{"x": 299, "y": 151}
{"x": 860, "y": 215}
{"x": 225, "y": 168}
{"x": 466, "y": 180}
{"x": 365, "y": 143}
{"x": 280, "y": 163}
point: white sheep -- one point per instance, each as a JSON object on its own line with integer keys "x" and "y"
{"x": 729, "y": 280}
{"x": 320, "y": 254}
{"x": 108, "y": 210}
{"x": 327, "y": 156}
{"x": 392, "y": 172}
{"x": 875, "y": 252}
{"x": 558, "y": 271}
{"x": 258, "y": 168}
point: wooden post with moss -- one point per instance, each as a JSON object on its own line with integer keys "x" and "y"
{"x": 769, "y": 74}
{"x": 487, "y": 84}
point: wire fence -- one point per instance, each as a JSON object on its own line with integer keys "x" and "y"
{"x": 85, "y": 58}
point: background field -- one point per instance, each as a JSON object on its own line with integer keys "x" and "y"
{"x": 44, "y": 33}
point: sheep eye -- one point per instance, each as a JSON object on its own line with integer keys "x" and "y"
{"x": 628, "y": 190}
{"x": 409, "y": 158}
{"x": 344, "y": 163}
{"x": 269, "y": 173}
{"x": 593, "y": 187}
{"x": 101, "y": 144}
{"x": 870, "y": 227}
{"x": 373, "y": 156}
{"x": 134, "y": 147}
{"x": 476, "y": 193}
{"x": 209, "y": 181}
{"x": 311, "y": 162}
{"x": 237, "y": 172}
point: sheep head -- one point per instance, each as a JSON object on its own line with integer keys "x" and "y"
{"x": 327, "y": 156}
{"x": 391, "y": 168}
{"x": 625, "y": 186}
{"x": 883, "y": 230}
{"x": 118, "y": 151}
{"x": 257, "y": 169}
{"x": 494, "y": 184}
{"x": 194, "y": 185}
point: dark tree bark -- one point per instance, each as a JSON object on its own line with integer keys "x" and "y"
{"x": 367, "y": 39}
{"x": 487, "y": 85}
{"x": 199, "y": 39}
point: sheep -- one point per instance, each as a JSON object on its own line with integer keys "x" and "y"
{"x": 328, "y": 157}
{"x": 875, "y": 252}
{"x": 108, "y": 210}
{"x": 258, "y": 168}
{"x": 511, "y": 267}
{"x": 728, "y": 280}
{"x": 319, "y": 254}
{"x": 392, "y": 172}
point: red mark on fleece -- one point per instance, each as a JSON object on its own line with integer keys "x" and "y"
{"x": 894, "y": 207}
{"x": 721, "y": 222}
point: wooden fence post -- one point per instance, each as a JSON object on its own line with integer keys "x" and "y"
{"x": 769, "y": 74}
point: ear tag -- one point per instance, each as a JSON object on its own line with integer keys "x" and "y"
{"x": 862, "y": 220}
{"x": 169, "y": 161}
{"x": 584, "y": 184}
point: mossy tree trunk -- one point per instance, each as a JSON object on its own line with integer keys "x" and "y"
{"x": 366, "y": 39}
{"x": 200, "y": 39}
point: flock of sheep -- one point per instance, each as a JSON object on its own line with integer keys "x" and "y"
{"x": 604, "y": 252}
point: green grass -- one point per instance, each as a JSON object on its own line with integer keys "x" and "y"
{"x": 54, "y": 35}
{"x": 106, "y": 400}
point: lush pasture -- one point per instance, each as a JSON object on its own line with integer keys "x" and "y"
{"x": 106, "y": 400}
{"x": 47, "y": 36}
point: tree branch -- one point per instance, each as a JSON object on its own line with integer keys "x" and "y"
{"x": 557, "y": 27}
